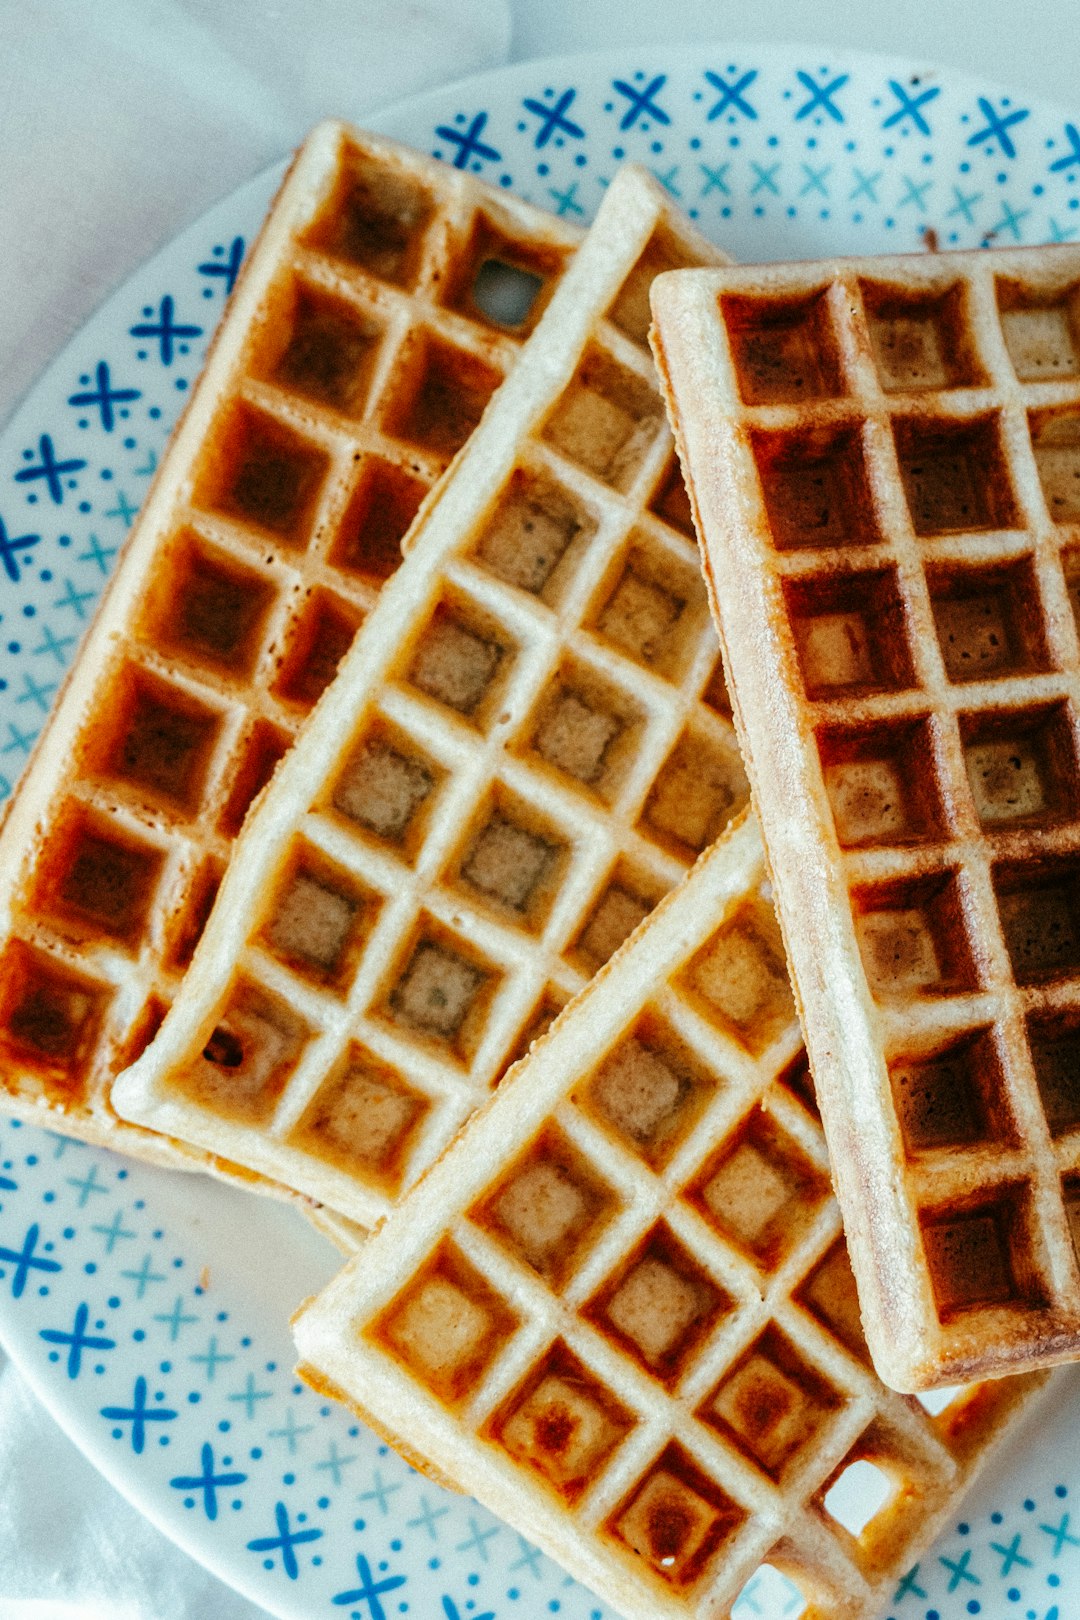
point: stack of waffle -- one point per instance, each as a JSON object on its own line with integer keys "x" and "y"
{"x": 613, "y": 1300}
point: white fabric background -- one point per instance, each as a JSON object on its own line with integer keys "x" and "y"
{"x": 120, "y": 121}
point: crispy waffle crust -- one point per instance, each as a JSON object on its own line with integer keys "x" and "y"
{"x": 619, "y": 1310}
{"x": 885, "y": 465}
{"x": 526, "y": 748}
{"x": 384, "y": 300}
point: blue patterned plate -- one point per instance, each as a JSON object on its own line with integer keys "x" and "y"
{"x": 140, "y": 1304}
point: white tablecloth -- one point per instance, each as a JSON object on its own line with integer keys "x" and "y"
{"x": 120, "y": 121}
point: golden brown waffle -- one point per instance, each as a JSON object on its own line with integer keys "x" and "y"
{"x": 386, "y": 297}
{"x": 619, "y": 1309}
{"x": 526, "y": 748}
{"x": 885, "y": 458}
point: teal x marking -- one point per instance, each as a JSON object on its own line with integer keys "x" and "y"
{"x": 913, "y": 193}
{"x": 815, "y": 179}
{"x": 865, "y": 184}
{"x": 715, "y": 179}
{"x": 1010, "y": 1555}
{"x": 909, "y": 1586}
{"x": 965, "y": 204}
{"x": 959, "y": 1571}
{"x": 566, "y": 201}
{"x": 766, "y": 178}
{"x": 1060, "y": 1535}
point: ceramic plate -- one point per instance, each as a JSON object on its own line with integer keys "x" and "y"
{"x": 149, "y": 1310}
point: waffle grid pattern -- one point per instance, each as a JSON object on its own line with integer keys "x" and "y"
{"x": 365, "y": 336}
{"x": 905, "y": 437}
{"x": 530, "y": 746}
{"x": 620, "y": 1308}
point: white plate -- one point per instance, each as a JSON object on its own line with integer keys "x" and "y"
{"x": 149, "y": 1310}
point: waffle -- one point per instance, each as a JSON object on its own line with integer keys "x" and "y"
{"x": 526, "y": 748}
{"x": 619, "y": 1309}
{"x": 885, "y": 458}
{"x": 386, "y": 297}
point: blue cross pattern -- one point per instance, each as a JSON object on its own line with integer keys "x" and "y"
{"x": 25, "y": 1260}
{"x": 208, "y": 1482}
{"x": 10, "y": 546}
{"x": 821, "y": 96}
{"x": 909, "y": 1586}
{"x": 370, "y": 1591}
{"x": 553, "y": 119}
{"x": 56, "y": 645}
{"x": 175, "y": 1319}
{"x": 643, "y": 103}
{"x": 169, "y": 333}
{"x": 1060, "y": 1535}
{"x": 959, "y": 1571}
{"x": 138, "y": 1414}
{"x": 225, "y": 266}
{"x": 55, "y": 473}
{"x": 249, "y": 1394}
{"x": 39, "y": 694}
{"x": 469, "y": 144}
{"x": 731, "y": 95}
{"x": 998, "y": 125}
{"x": 1072, "y": 135}
{"x": 103, "y": 396}
{"x": 1010, "y": 1555}
{"x": 78, "y": 1340}
{"x": 910, "y": 106}
{"x": 284, "y": 1542}
{"x": 212, "y": 1358}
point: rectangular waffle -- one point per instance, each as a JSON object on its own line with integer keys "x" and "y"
{"x": 386, "y": 297}
{"x": 526, "y": 748}
{"x": 619, "y": 1309}
{"x": 885, "y": 461}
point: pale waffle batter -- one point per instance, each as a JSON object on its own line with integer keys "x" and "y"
{"x": 526, "y": 748}
{"x": 885, "y": 462}
{"x": 619, "y": 1309}
{"x": 386, "y": 298}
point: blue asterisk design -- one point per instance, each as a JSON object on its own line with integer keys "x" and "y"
{"x": 452, "y": 1611}
{"x": 998, "y": 125}
{"x": 54, "y": 472}
{"x": 910, "y": 106}
{"x": 103, "y": 396}
{"x": 643, "y": 103}
{"x": 284, "y": 1542}
{"x": 731, "y": 95}
{"x": 821, "y": 96}
{"x": 553, "y": 119}
{"x": 208, "y": 1482}
{"x": 138, "y": 1414}
{"x": 1072, "y": 135}
{"x": 909, "y": 1586}
{"x": 77, "y": 1340}
{"x": 9, "y": 547}
{"x": 168, "y": 332}
{"x": 959, "y": 1571}
{"x": 468, "y": 142}
{"x": 25, "y": 1260}
{"x": 227, "y": 267}
{"x": 370, "y": 1590}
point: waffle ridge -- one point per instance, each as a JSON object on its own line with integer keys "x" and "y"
{"x": 386, "y": 297}
{"x": 619, "y": 1310}
{"x": 525, "y": 750}
{"x": 883, "y": 457}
